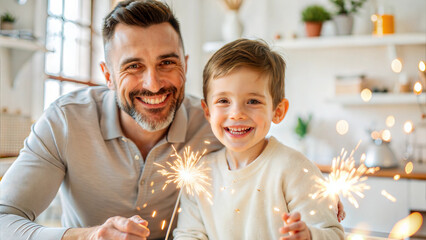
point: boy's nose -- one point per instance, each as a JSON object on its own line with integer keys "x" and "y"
{"x": 237, "y": 114}
{"x": 151, "y": 81}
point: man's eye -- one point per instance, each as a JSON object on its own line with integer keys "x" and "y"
{"x": 167, "y": 62}
{"x": 253, "y": 101}
{"x": 133, "y": 66}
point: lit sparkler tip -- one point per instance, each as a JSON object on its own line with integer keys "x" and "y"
{"x": 388, "y": 196}
{"x": 345, "y": 178}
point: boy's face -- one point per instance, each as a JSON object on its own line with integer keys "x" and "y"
{"x": 240, "y": 110}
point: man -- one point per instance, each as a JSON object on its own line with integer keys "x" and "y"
{"x": 99, "y": 144}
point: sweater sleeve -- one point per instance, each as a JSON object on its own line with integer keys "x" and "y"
{"x": 319, "y": 214}
{"x": 190, "y": 223}
{"x": 33, "y": 180}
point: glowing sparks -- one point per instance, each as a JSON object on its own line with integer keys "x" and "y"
{"x": 388, "y": 196}
{"x": 396, "y": 65}
{"x": 408, "y": 127}
{"x": 344, "y": 178}
{"x": 312, "y": 212}
{"x": 390, "y": 121}
{"x": 406, "y": 227}
{"x": 305, "y": 170}
{"x": 366, "y": 95}
{"x": 152, "y": 183}
{"x": 276, "y": 209}
{"x": 154, "y": 213}
{"x": 179, "y": 210}
{"x": 409, "y": 168}
{"x": 186, "y": 173}
{"x": 396, "y": 177}
{"x": 206, "y": 142}
{"x": 237, "y": 210}
{"x": 342, "y": 127}
{"x": 144, "y": 205}
{"x": 163, "y": 224}
{"x": 417, "y": 88}
{"x": 138, "y": 208}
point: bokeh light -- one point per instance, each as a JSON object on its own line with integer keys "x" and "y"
{"x": 342, "y": 127}
{"x": 366, "y": 94}
{"x": 396, "y": 65}
{"x": 422, "y": 66}
{"x": 417, "y": 88}
{"x": 386, "y": 135}
{"x": 390, "y": 121}
{"x": 408, "y": 127}
{"x": 407, "y": 226}
{"x": 409, "y": 168}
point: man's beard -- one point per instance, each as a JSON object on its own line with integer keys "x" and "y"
{"x": 144, "y": 120}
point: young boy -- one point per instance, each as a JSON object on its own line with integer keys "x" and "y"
{"x": 261, "y": 188}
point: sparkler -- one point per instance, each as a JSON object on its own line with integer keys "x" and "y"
{"x": 344, "y": 178}
{"x": 187, "y": 174}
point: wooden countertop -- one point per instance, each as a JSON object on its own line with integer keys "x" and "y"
{"x": 419, "y": 171}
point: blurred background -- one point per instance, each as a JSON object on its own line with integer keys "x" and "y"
{"x": 356, "y": 80}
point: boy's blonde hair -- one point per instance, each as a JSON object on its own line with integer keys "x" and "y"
{"x": 254, "y": 54}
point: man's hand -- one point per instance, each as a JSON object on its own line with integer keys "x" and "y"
{"x": 295, "y": 227}
{"x": 115, "y": 228}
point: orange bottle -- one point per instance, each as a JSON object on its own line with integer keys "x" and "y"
{"x": 383, "y": 21}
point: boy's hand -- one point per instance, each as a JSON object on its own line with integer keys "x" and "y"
{"x": 295, "y": 227}
{"x": 341, "y": 214}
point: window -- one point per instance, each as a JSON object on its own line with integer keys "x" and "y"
{"x": 76, "y": 45}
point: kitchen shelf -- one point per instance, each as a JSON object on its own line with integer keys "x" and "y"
{"x": 379, "y": 99}
{"x": 340, "y": 41}
{"x": 7, "y": 44}
{"x": 22, "y": 44}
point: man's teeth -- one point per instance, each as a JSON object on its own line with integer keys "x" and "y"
{"x": 156, "y": 100}
{"x": 239, "y": 130}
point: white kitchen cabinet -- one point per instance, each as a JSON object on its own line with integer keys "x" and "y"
{"x": 417, "y": 195}
{"x": 376, "y": 213}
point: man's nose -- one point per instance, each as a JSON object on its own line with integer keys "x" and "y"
{"x": 151, "y": 81}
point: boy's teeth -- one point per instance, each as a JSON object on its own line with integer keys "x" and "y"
{"x": 239, "y": 130}
{"x": 156, "y": 100}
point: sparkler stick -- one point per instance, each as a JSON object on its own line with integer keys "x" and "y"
{"x": 186, "y": 173}
{"x": 344, "y": 178}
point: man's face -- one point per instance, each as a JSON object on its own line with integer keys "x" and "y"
{"x": 147, "y": 67}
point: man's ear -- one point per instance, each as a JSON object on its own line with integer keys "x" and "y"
{"x": 280, "y": 111}
{"x": 205, "y": 109}
{"x": 107, "y": 75}
{"x": 186, "y": 63}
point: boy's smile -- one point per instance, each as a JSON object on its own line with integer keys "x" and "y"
{"x": 240, "y": 110}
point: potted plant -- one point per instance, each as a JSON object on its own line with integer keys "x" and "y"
{"x": 314, "y": 16}
{"x": 7, "y": 20}
{"x": 343, "y": 18}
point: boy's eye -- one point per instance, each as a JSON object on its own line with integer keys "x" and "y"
{"x": 253, "y": 101}
{"x": 222, "y": 100}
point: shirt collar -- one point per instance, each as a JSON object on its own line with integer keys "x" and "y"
{"x": 111, "y": 128}
{"x": 177, "y": 130}
{"x": 110, "y": 123}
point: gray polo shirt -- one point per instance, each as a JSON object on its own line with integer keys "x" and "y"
{"x": 77, "y": 146}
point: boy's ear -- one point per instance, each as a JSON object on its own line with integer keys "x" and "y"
{"x": 280, "y": 111}
{"x": 107, "y": 76}
{"x": 205, "y": 109}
